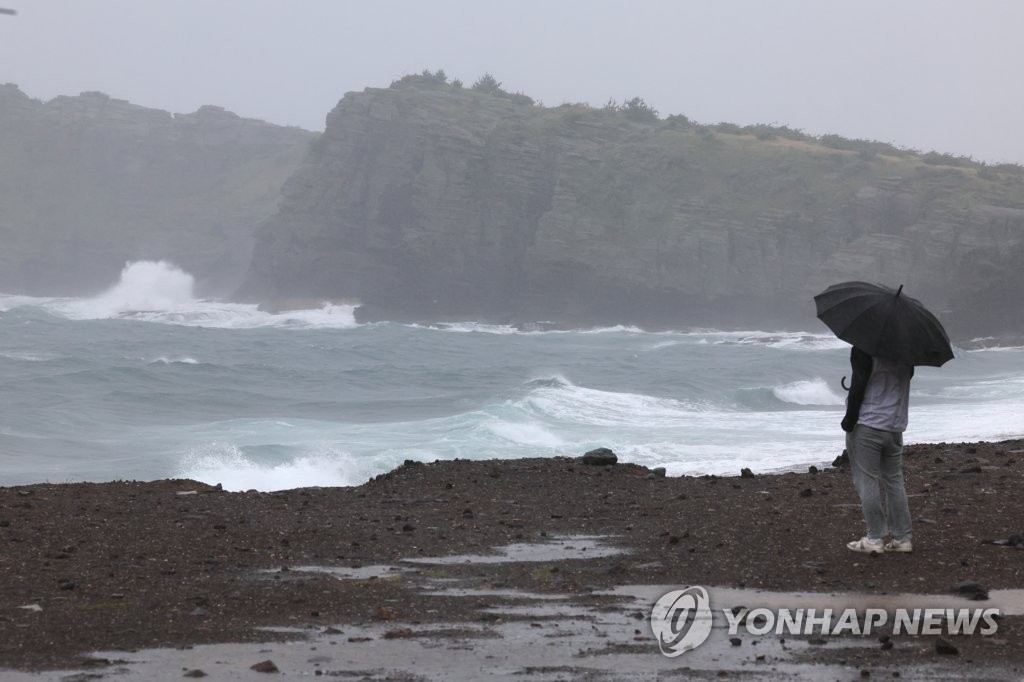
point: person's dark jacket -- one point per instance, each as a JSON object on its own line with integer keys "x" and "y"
{"x": 861, "y": 364}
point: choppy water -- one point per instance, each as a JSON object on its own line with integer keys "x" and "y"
{"x": 144, "y": 381}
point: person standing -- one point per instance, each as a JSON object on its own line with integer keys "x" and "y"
{"x": 876, "y": 417}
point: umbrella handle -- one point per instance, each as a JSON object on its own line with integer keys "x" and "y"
{"x": 842, "y": 382}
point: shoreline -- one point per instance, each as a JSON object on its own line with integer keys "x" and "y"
{"x": 133, "y": 566}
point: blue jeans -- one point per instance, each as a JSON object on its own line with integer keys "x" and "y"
{"x": 876, "y": 459}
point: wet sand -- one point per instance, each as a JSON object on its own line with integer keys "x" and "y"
{"x": 526, "y": 569}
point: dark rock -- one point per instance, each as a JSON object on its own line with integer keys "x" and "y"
{"x": 806, "y": 492}
{"x": 398, "y": 633}
{"x": 812, "y": 469}
{"x": 842, "y": 460}
{"x": 971, "y": 590}
{"x": 945, "y": 648}
{"x": 599, "y": 457}
{"x": 658, "y": 472}
{"x": 735, "y": 641}
{"x": 195, "y": 673}
{"x": 1015, "y": 541}
{"x": 746, "y": 473}
{"x": 265, "y": 667}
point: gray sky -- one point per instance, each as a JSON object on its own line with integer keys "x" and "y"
{"x": 939, "y": 75}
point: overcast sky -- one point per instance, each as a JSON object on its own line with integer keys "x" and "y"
{"x": 941, "y": 75}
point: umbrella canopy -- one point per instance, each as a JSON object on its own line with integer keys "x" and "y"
{"x": 884, "y": 323}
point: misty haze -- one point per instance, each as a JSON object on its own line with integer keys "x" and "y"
{"x": 420, "y": 327}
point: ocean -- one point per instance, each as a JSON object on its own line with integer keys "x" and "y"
{"x": 144, "y": 381}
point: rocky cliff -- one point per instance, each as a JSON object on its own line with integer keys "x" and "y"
{"x": 90, "y": 182}
{"x": 430, "y": 201}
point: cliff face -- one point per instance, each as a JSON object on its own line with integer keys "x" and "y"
{"x": 427, "y": 201}
{"x": 89, "y": 182}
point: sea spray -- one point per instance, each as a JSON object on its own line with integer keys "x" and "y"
{"x": 147, "y": 285}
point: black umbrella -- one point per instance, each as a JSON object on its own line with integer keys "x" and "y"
{"x": 884, "y": 323}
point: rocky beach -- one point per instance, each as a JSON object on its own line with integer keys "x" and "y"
{"x": 438, "y": 555}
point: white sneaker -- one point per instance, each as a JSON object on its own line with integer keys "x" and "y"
{"x": 895, "y": 545}
{"x": 866, "y": 545}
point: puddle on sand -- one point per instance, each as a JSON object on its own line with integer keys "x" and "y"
{"x": 380, "y": 571}
{"x": 494, "y": 593}
{"x": 557, "y": 644}
{"x": 558, "y": 548}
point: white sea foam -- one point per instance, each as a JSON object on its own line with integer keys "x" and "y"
{"x": 184, "y": 360}
{"x": 469, "y": 328}
{"x": 28, "y": 356}
{"x": 966, "y": 421}
{"x": 528, "y": 329}
{"x": 782, "y": 340}
{"x": 615, "y": 329}
{"x": 666, "y": 344}
{"x": 813, "y": 392}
